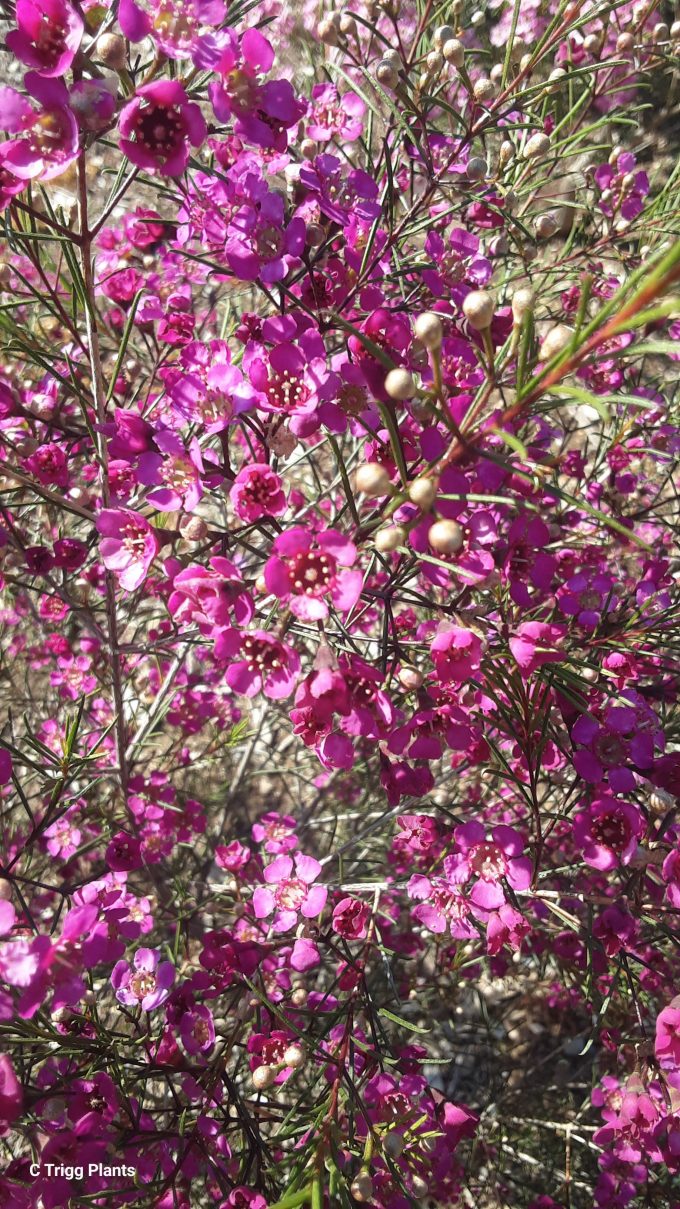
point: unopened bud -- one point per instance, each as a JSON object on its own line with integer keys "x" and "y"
{"x": 483, "y": 89}
{"x": 506, "y": 152}
{"x": 294, "y": 1056}
{"x": 263, "y": 1077}
{"x": 410, "y": 678}
{"x": 399, "y": 384}
{"x": 536, "y": 146}
{"x": 299, "y": 997}
{"x": 443, "y": 34}
{"x": 373, "y": 480}
{"x": 110, "y": 49}
{"x": 522, "y": 303}
{"x": 555, "y": 341}
{"x": 193, "y": 528}
{"x": 446, "y": 537}
{"x": 393, "y": 1144}
{"x": 308, "y": 149}
{"x": 546, "y": 225}
{"x": 476, "y": 168}
{"x": 361, "y": 1187}
{"x": 478, "y": 308}
{"x": 389, "y": 538}
{"x": 454, "y": 52}
{"x": 428, "y": 329}
{"x": 386, "y": 74}
{"x": 422, "y": 492}
{"x": 327, "y": 31}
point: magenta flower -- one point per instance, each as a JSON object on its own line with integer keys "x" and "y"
{"x": 623, "y": 735}
{"x": 667, "y": 1043}
{"x": 505, "y": 927}
{"x": 146, "y": 982}
{"x": 491, "y": 860}
{"x": 47, "y": 139}
{"x": 11, "y": 1095}
{"x": 456, "y": 654}
{"x": 48, "y": 35}
{"x": 350, "y": 918}
{"x": 608, "y": 832}
{"x": 276, "y": 832}
{"x": 128, "y": 545}
{"x": 290, "y": 891}
{"x": 441, "y": 907}
{"x": 177, "y": 27}
{"x": 265, "y": 664}
{"x": 306, "y": 569}
{"x": 338, "y": 192}
{"x": 534, "y": 643}
{"x": 257, "y": 491}
{"x": 333, "y": 116}
{"x": 174, "y": 473}
{"x": 158, "y": 125}
{"x": 587, "y": 596}
{"x": 197, "y": 1030}
{"x": 212, "y": 597}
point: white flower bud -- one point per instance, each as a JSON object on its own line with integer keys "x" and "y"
{"x": 546, "y": 225}
{"x": 422, "y": 492}
{"x": 110, "y": 49}
{"x": 386, "y": 74}
{"x": 446, "y": 537}
{"x": 193, "y": 528}
{"x": 555, "y": 341}
{"x": 410, "y": 678}
{"x": 454, "y": 52}
{"x": 373, "y": 480}
{"x": 428, "y": 329}
{"x": 483, "y": 89}
{"x": 523, "y": 301}
{"x": 476, "y": 169}
{"x": 294, "y": 1056}
{"x": 478, "y": 309}
{"x": 443, "y": 34}
{"x": 536, "y": 146}
{"x": 361, "y": 1187}
{"x": 399, "y": 384}
{"x": 263, "y": 1077}
{"x": 389, "y": 538}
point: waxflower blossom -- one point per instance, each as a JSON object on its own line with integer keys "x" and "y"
{"x": 47, "y": 36}
{"x": 488, "y": 860}
{"x": 180, "y": 30}
{"x": 47, "y": 136}
{"x": 146, "y": 983}
{"x": 11, "y": 1095}
{"x": 456, "y": 654}
{"x": 289, "y": 891}
{"x": 306, "y": 568}
{"x": 333, "y": 116}
{"x": 261, "y": 663}
{"x": 350, "y": 918}
{"x": 257, "y": 491}
{"x": 128, "y": 545}
{"x": 159, "y": 125}
{"x": 608, "y": 831}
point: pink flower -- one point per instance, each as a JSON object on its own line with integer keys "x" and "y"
{"x": 128, "y": 546}
{"x": 456, "y": 654}
{"x": 5, "y": 766}
{"x": 290, "y": 889}
{"x": 47, "y": 139}
{"x": 266, "y": 665}
{"x": 212, "y": 597}
{"x": 441, "y": 907}
{"x": 146, "y": 983}
{"x": 333, "y": 116}
{"x": 350, "y": 918}
{"x": 48, "y": 35}
{"x": 489, "y": 859}
{"x": 667, "y": 1043}
{"x": 11, "y": 1095}
{"x": 608, "y": 832}
{"x": 533, "y": 644}
{"x": 197, "y": 1030}
{"x": 505, "y": 927}
{"x": 307, "y": 568}
{"x": 177, "y": 28}
{"x": 257, "y": 491}
{"x": 158, "y": 125}
{"x": 276, "y": 832}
